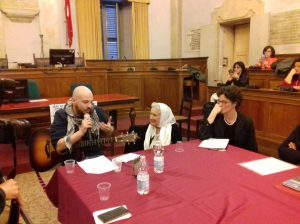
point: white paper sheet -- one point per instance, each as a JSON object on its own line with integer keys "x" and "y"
{"x": 127, "y": 157}
{"x": 214, "y": 143}
{"x": 98, "y": 221}
{"x": 97, "y": 165}
{"x": 267, "y": 166}
{"x": 38, "y": 100}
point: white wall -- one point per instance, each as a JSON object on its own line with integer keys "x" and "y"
{"x": 22, "y": 39}
{"x": 160, "y": 29}
{"x": 278, "y": 6}
{"x": 196, "y": 14}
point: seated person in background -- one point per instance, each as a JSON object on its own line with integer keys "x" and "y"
{"x": 8, "y": 190}
{"x": 162, "y": 123}
{"x": 292, "y": 80}
{"x": 225, "y": 122}
{"x": 267, "y": 58}
{"x": 79, "y": 120}
{"x": 238, "y": 75}
{"x": 289, "y": 150}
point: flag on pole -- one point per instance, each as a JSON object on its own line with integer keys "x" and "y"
{"x": 69, "y": 22}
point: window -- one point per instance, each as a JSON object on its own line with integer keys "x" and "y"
{"x": 109, "y": 13}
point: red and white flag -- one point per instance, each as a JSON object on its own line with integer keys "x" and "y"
{"x": 69, "y": 22}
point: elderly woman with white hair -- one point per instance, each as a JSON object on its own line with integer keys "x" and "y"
{"x": 162, "y": 123}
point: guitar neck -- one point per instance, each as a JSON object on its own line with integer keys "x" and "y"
{"x": 95, "y": 142}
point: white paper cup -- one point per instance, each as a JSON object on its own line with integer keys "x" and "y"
{"x": 69, "y": 165}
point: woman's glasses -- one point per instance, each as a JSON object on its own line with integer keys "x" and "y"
{"x": 224, "y": 102}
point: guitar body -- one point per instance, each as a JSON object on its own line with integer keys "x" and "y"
{"x": 41, "y": 152}
{"x": 43, "y": 155}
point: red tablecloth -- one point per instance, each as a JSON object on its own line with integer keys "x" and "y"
{"x": 198, "y": 186}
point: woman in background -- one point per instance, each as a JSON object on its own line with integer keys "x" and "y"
{"x": 292, "y": 80}
{"x": 238, "y": 75}
{"x": 267, "y": 58}
{"x": 289, "y": 150}
{"x": 224, "y": 121}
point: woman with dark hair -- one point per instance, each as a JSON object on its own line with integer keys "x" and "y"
{"x": 267, "y": 58}
{"x": 238, "y": 75}
{"x": 224, "y": 121}
{"x": 292, "y": 80}
{"x": 289, "y": 150}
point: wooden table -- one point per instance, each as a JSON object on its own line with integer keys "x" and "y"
{"x": 37, "y": 112}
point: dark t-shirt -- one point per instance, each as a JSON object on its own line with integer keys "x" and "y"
{"x": 58, "y": 130}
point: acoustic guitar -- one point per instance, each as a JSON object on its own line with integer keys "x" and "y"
{"x": 43, "y": 155}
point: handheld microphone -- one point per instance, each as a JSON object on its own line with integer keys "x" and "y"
{"x": 87, "y": 116}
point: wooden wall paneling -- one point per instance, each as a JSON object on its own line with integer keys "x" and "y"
{"x": 133, "y": 86}
{"x": 60, "y": 85}
{"x": 152, "y": 90}
{"x": 275, "y": 84}
{"x": 282, "y": 119}
{"x": 98, "y": 82}
{"x": 113, "y": 85}
{"x": 170, "y": 93}
{"x": 264, "y": 79}
{"x": 127, "y": 83}
{"x": 255, "y": 110}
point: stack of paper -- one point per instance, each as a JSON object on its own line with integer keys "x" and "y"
{"x": 127, "y": 157}
{"x": 215, "y": 144}
{"x": 97, "y": 165}
{"x": 267, "y": 166}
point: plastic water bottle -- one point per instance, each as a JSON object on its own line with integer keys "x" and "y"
{"x": 143, "y": 177}
{"x": 158, "y": 159}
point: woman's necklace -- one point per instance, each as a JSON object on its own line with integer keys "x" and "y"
{"x": 231, "y": 123}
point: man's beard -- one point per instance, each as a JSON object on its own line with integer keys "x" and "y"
{"x": 78, "y": 111}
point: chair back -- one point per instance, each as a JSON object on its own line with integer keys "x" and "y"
{"x": 33, "y": 90}
{"x": 53, "y": 108}
{"x": 186, "y": 107}
{"x": 4, "y": 63}
{"x": 139, "y": 144}
{"x": 41, "y": 62}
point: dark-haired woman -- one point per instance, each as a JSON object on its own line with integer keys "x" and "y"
{"x": 267, "y": 58}
{"x": 289, "y": 150}
{"x": 238, "y": 75}
{"x": 293, "y": 78}
{"x": 224, "y": 121}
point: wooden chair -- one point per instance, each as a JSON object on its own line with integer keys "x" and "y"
{"x": 4, "y": 63}
{"x": 41, "y": 62}
{"x": 185, "y": 114}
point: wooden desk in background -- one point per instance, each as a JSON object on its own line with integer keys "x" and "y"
{"x": 264, "y": 79}
{"x": 275, "y": 114}
{"x": 151, "y": 80}
{"x": 38, "y": 112}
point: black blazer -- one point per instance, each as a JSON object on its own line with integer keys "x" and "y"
{"x": 287, "y": 154}
{"x": 244, "y": 132}
{"x": 141, "y": 131}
